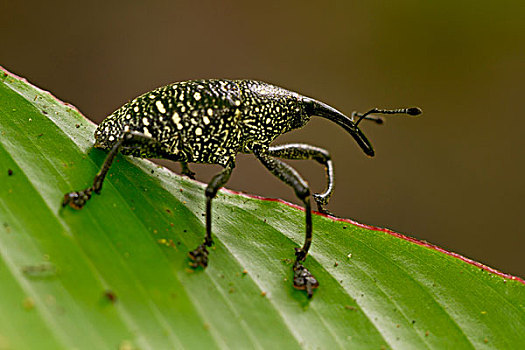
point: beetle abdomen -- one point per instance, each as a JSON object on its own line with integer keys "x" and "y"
{"x": 194, "y": 121}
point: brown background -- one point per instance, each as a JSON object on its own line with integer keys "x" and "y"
{"x": 453, "y": 177}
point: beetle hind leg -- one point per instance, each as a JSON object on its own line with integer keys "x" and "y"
{"x": 303, "y": 279}
{"x": 299, "y": 151}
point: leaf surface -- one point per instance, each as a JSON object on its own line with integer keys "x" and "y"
{"x": 116, "y": 272}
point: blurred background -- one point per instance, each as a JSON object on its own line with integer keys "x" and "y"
{"x": 454, "y": 176}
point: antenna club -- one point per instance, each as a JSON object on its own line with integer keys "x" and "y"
{"x": 414, "y": 111}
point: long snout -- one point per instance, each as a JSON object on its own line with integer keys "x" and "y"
{"x": 362, "y": 141}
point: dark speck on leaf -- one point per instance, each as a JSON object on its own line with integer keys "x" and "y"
{"x": 344, "y": 227}
{"x": 40, "y": 135}
{"x": 110, "y": 295}
{"x": 44, "y": 112}
{"x": 9, "y": 172}
{"x": 77, "y": 126}
{"x": 153, "y": 172}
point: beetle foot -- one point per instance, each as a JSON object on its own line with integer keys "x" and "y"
{"x": 303, "y": 279}
{"x": 199, "y": 256}
{"x": 77, "y": 200}
{"x": 321, "y": 201}
{"x": 324, "y": 211}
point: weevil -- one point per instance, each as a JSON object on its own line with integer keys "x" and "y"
{"x": 211, "y": 121}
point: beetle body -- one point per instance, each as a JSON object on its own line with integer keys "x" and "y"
{"x": 210, "y": 121}
{"x": 205, "y": 121}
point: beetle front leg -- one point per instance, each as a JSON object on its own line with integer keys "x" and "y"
{"x": 199, "y": 256}
{"x": 303, "y": 279}
{"x": 78, "y": 199}
{"x": 301, "y": 151}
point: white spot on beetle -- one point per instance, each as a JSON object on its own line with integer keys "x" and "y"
{"x": 237, "y": 103}
{"x": 152, "y": 96}
{"x": 198, "y": 131}
{"x": 206, "y": 120}
{"x": 176, "y": 120}
{"x": 182, "y": 109}
{"x": 160, "y": 107}
{"x": 136, "y": 109}
{"x": 210, "y": 112}
{"x": 268, "y": 120}
{"x": 145, "y": 121}
{"x": 128, "y": 116}
{"x": 111, "y": 138}
{"x": 197, "y": 96}
{"x": 146, "y": 132}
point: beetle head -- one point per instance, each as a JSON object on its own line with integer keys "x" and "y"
{"x": 314, "y": 107}
{"x": 321, "y": 109}
{"x": 108, "y": 133}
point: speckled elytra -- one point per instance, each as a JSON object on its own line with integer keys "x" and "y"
{"x": 210, "y": 121}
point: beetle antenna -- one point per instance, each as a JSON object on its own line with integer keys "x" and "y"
{"x": 409, "y": 111}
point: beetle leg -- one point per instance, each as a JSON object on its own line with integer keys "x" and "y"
{"x": 303, "y": 279}
{"x": 78, "y": 199}
{"x": 306, "y": 152}
{"x": 186, "y": 170}
{"x": 199, "y": 256}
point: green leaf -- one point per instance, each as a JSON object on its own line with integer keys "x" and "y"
{"x": 115, "y": 274}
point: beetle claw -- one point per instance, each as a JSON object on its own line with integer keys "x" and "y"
{"x": 303, "y": 279}
{"x": 321, "y": 201}
{"x": 199, "y": 257}
{"x": 76, "y": 200}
